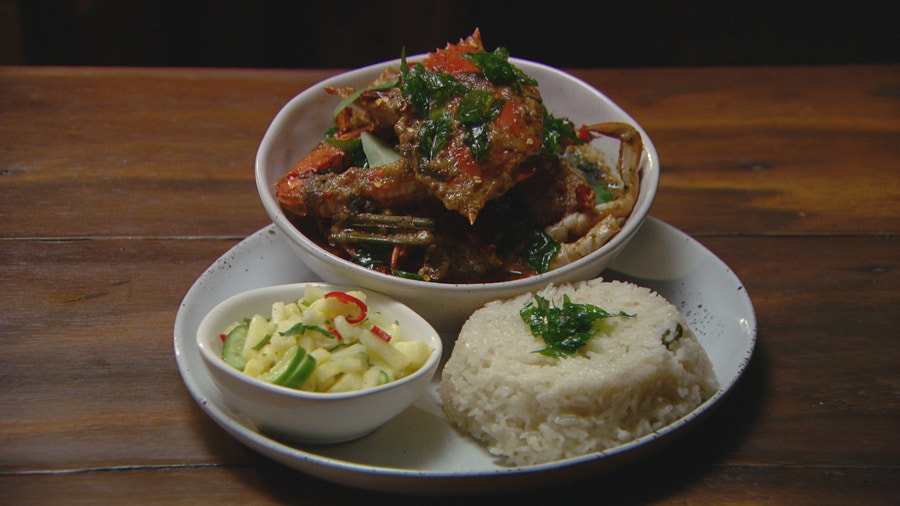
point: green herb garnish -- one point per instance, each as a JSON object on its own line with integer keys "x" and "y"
{"x": 497, "y": 68}
{"x": 556, "y": 129}
{"x": 540, "y": 251}
{"x": 564, "y": 329}
{"x": 300, "y": 328}
{"x": 669, "y": 337}
{"x": 426, "y": 90}
{"x": 476, "y": 109}
{"x": 409, "y": 275}
{"x": 434, "y": 135}
{"x": 478, "y": 106}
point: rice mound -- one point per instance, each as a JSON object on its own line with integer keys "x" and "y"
{"x": 528, "y": 408}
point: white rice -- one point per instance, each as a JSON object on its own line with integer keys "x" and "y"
{"x": 529, "y": 408}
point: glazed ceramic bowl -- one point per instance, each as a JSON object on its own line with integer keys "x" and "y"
{"x": 301, "y": 124}
{"x": 311, "y": 417}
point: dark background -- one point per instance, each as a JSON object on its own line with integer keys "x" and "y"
{"x": 335, "y": 33}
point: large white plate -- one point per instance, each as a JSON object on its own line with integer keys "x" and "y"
{"x": 419, "y": 451}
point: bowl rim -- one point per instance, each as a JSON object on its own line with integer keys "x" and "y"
{"x": 649, "y": 174}
{"x": 205, "y": 334}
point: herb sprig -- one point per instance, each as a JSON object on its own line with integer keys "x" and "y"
{"x": 564, "y": 329}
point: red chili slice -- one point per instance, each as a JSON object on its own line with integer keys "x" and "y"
{"x": 223, "y": 336}
{"x": 382, "y": 334}
{"x": 349, "y": 299}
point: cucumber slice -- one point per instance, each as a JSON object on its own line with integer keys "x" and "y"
{"x": 304, "y": 370}
{"x": 233, "y": 347}
{"x": 284, "y": 368}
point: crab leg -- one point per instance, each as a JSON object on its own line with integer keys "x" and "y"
{"x": 596, "y": 226}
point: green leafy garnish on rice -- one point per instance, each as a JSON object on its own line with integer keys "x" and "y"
{"x": 564, "y": 329}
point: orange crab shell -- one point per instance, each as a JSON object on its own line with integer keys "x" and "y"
{"x": 450, "y": 59}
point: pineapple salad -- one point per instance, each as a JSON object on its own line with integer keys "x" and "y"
{"x": 326, "y": 341}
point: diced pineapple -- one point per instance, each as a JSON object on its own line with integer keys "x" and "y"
{"x": 417, "y": 352}
{"x": 349, "y": 332}
{"x": 311, "y": 293}
{"x": 257, "y": 330}
{"x": 288, "y": 322}
{"x": 384, "y": 350}
{"x": 277, "y": 312}
{"x": 353, "y": 349}
{"x": 327, "y": 371}
{"x": 347, "y": 383}
{"x": 320, "y": 354}
{"x": 375, "y": 376}
{"x": 355, "y": 363}
{"x": 357, "y": 294}
{"x": 360, "y": 358}
{"x": 255, "y": 366}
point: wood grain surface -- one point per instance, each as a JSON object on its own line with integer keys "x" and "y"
{"x": 119, "y": 187}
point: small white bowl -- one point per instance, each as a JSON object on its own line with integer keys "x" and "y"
{"x": 301, "y": 124}
{"x": 310, "y": 417}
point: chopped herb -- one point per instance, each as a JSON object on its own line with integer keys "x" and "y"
{"x": 426, "y": 90}
{"x": 409, "y": 275}
{"x": 478, "y": 106}
{"x": 498, "y": 69}
{"x": 564, "y": 329}
{"x": 434, "y": 134}
{"x": 540, "y": 251}
{"x": 478, "y": 140}
{"x": 555, "y": 130}
{"x": 300, "y": 328}
{"x": 669, "y": 337}
{"x": 476, "y": 110}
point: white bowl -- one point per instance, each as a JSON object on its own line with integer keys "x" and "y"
{"x": 311, "y": 417}
{"x": 301, "y": 124}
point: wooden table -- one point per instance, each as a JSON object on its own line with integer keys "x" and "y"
{"x": 118, "y": 187}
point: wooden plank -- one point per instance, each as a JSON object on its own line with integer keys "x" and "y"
{"x": 174, "y": 150}
{"x": 108, "y": 392}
